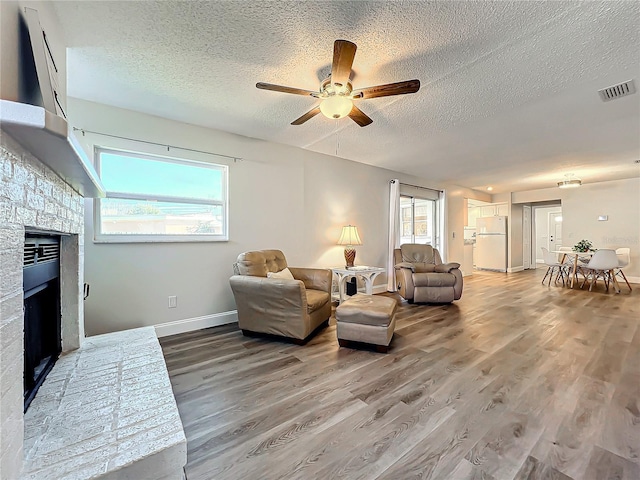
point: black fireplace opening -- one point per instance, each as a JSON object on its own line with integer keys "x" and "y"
{"x": 42, "y": 333}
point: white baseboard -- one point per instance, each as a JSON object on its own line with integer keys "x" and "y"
{"x": 196, "y": 323}
{"x": 223, "y": 318}
{"x": 383, "y": 288}
{"x": 631, "y": 279}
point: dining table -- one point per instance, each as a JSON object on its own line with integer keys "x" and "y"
{"x": 574, "y": 271}
{"x": 576, "y": 256}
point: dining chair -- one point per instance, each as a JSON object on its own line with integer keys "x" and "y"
{"x": 602, "y": 264}
{"x": 566, "y": 258}
{"x": 552, "y": 263}
{"x": 624, "y": 259}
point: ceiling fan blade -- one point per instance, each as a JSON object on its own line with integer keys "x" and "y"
{"x": 359, "y": 117}
{"x": 400, "y": 88}
{"x": 343, "y": 54}
{"x": 310, "y": 114}
{"x": 280, "y": 88}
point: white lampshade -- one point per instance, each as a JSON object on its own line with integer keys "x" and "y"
{"x": 349, "y": 236}
{"x": 336, "y": 106}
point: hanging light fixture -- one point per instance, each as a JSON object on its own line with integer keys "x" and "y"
{"x": 336, "y": 106}
{"x": 570, "y": 181}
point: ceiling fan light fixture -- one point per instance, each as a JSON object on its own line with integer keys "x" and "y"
{"x": 336, "y": 93}
{"x": 570, "y": 181}
{"x": 336, "y": 106}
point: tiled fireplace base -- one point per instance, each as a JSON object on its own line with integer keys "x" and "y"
{"x": 106, "y": 411}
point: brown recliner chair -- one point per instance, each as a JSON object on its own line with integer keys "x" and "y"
{"x": 292, "y": 308}
{"x": 422, "y": 277}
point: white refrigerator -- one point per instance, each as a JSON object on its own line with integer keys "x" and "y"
{"x": 491, "y": 243}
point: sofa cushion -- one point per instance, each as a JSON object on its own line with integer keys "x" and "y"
{"x": 259, "y": 262}
{"x": 316, "y": 299}
{"x": 284, "y": 273}
{"x": 417, "y": 253}
{"x": 424, "y": 267}
{"x": 434, "y": 279}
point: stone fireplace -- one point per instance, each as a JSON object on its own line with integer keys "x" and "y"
{"x": 32, "y": 198}
{"x": 106, "y": 410}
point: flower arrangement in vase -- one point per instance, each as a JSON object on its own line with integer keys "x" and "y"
{"x": 583, "y": 246}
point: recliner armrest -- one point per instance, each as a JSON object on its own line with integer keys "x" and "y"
{"x": 408, "y": 265}
{"x": 446, "y": 267}
{"x": 313, "y": 278}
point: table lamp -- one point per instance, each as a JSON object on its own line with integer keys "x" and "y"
{"x": 349, "y": 238}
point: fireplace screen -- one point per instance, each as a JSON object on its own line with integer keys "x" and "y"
{"x": 41, "y": 281}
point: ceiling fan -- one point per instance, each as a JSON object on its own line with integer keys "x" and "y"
{"x": 336, "y": 93}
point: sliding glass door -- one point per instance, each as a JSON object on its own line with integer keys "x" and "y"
{"x": 418, "y": 220}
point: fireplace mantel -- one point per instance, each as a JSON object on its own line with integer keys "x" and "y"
{"x": 48, "y": 138}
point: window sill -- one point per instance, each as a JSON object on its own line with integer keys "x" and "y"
{"x": 159, "y": 239}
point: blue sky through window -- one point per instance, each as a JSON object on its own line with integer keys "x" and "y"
{"x": 122, "y": 173}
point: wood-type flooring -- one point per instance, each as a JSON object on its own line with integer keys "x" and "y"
{"x": 516, "y": 380}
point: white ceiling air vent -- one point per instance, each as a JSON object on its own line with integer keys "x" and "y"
{"x": 616, "y": 91}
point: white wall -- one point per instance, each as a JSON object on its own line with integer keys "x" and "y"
{"x": 619, "y": 199}
{"x": 515, "y": 222}
{"x": 501, "y": 197}
{"x": 280, "y": 197}
{"x": 10, "y": 79}
{"x": 456, "y": 207}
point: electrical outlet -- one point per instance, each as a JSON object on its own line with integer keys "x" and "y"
{"x": 173, "y": 301}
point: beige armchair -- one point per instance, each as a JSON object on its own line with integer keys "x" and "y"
{"x": 422, "y": 277}
{"x": 288, "y": 307}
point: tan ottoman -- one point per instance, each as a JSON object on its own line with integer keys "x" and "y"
{"x": 366, "y": 319}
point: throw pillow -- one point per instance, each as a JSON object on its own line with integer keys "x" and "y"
{"x": 284, "y": 273}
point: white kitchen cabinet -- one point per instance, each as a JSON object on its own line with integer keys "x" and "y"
{"x": 488, "y": 211}
{"x": 494, "y": 209}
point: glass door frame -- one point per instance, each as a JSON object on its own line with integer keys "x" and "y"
{"x": 431, "y": 220}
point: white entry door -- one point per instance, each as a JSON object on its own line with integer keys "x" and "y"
{"x": 555, "y": 230}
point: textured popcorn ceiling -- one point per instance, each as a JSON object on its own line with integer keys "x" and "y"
{"x": 509, "y": 89}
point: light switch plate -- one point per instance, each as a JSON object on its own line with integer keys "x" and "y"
{"x": 603, "y": 218}
{"x": 173, "y": 301}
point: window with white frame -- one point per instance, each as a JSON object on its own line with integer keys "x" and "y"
{"x": 420, "y": 216}
{"x": 417, "y": 220}
{"x": 152, "y": 198}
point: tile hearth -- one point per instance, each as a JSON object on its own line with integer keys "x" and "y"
{"x": 106, "y": 409}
